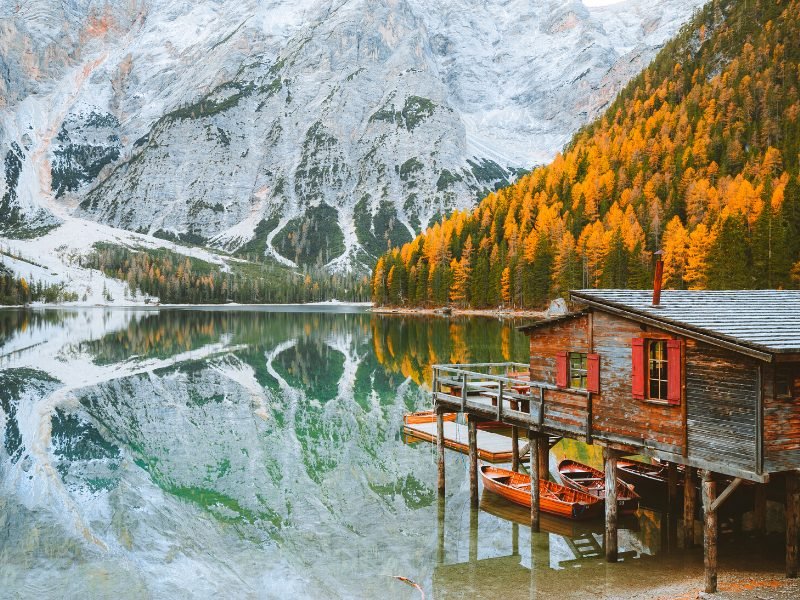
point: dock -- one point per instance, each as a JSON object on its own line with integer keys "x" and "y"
{"x": 492, "y": 447}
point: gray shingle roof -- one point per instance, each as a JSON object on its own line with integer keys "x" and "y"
{"x": 765, "y": 320}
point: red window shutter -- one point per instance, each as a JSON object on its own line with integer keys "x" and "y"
{"x": 637, "y": 370}
{"x": 593, "y": 373}
{"x": 674, "y": 382}
{"x": 561, "y": 369}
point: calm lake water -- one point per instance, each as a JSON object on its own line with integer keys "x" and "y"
{"x": 259, "y": 453}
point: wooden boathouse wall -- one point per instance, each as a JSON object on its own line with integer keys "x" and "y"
{"x": 722, "y": 397}
{"x": 781, "y": 416}
{"x": 732, "y": 412}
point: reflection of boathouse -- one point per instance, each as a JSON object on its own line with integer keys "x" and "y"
{"x": 708, "y": 382}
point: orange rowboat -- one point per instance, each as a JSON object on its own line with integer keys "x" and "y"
{"x": 425, "y": 416}
{"x": 554, "y": 498}
{"x": 593, "y": 481}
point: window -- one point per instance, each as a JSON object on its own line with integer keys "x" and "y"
{"x": 577, "y": 370}
{"x": 657, "y": 369}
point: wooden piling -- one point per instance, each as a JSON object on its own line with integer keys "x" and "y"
{"x": 672, "y": 504}
{"x": 534, "y": 441}
{"x": 792, "y": 523}
{"x": 689, "y": 507}
{"x": 472, "y": 429}
{"x": 440, "y": 449}
{"x": 610, "y": 459}
{"x": 544, "y": 457}
{"x": 709, "y": 533}
{"x": 440, "y": 548}
{"x": 515, "y": 449}
{"x": 760, "y": 509}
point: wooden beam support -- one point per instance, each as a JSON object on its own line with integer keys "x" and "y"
{"x": 760, "y": 509}
{"x": 725, "y": 494}
{"x": 472, "y": 431}
{"x": 672, "y": 505}
{"x": 709, "y": 533}
{"x": 610, "y": 459}
{"x": 514, "y": 449}
{"x": 544, "y": 457}
{"x": 533, "y": 443}
{"x": 440, "y": 450}
{"x": 792, "y": 523}
{"x": 689, "y": 507}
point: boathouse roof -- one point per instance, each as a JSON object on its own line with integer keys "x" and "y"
{"x": 760, "y": 323}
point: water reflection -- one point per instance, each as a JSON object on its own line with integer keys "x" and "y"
{"x": 257, "y": 451}
{"x": 173, "y": 453}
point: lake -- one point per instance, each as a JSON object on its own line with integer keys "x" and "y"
{"x": 246, "y": 453}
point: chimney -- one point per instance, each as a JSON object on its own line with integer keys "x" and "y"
{"x": 657, "y": 279}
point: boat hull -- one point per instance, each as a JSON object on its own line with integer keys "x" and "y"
{"x": 592, "y": 481}
{"x": 425, "y": 416}
{"x": 554, "y": 499}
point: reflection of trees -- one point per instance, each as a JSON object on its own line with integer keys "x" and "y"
{"x": 14, "y": 320}
{"x": 411, "y": 345}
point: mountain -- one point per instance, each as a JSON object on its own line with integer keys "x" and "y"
{"x": 312, "y": 133}
{"x": 699, "y": 157}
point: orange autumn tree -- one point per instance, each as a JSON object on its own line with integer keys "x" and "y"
{"x": 698, "y": 157}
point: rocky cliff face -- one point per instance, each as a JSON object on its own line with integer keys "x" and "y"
{"x": 316, "y": 132}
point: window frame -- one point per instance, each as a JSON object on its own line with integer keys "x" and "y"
{"x": 664, "y": 371}
{"x": 583, "y": 373}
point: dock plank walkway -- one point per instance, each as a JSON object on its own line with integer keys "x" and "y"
{"x": 492, "y": 447}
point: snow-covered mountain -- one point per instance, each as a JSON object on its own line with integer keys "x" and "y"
{"x": 314, "y": 131}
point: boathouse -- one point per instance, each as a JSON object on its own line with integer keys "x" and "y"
{"x": 709, "y": 380}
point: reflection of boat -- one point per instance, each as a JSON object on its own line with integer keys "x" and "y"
{"x": 496, "y": 505}
{"x": 592, "y": 481}
{"x": 554, "y": 498}
{"x": 425, "y": 416}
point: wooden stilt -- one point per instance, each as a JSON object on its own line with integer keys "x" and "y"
{"x": 534, "y": 441}
{"x": 610, "y": 458}
{"x": 473, "y": 535}
{"x": 709, "y": 533}
{"x": 689, "y": 504}
{"x": 440, "y": 449}
{"x": 672, "y": 504}
{"x": 440, "y": 554}
{"x": 760, "y": 509}
{"x": 544, "y": 458}
{"x": 514, "y": 449}
{"x": 792, "y": 523}
{"x": 473, "y": 463}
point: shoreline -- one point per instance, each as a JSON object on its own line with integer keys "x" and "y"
{"x": 498, "y": 313}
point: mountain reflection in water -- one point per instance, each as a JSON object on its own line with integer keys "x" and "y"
{"x": 251, "y": 453}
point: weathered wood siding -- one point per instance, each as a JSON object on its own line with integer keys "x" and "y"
{"x": 562, "y": 409}
{"x": 616, "y": 413}
{"x": 781, "y": 390}
{"x": 722, "y": 390}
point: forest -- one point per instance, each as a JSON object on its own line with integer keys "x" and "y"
{"x": 18, "y": 290}
{"x": 175, "y": 278}
{"x": 697, "y": 158}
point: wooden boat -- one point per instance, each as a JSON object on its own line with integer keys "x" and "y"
{"x": 593, "y": 481}
{"x": 554, "y": 498}
{"x": 425, "y": 416}
{"x": 649, "y": 480}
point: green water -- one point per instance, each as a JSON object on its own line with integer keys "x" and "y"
{"x": 259, "y": 454}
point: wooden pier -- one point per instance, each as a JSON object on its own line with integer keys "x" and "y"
{"x": 491, "y": 447}
{"x": 704, "y": 380}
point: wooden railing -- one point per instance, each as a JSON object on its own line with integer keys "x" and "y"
{"x": 501, "y": 392}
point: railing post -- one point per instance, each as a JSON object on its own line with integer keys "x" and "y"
{"x": 500, "y": 402}
{"x": 464, "y": 392}
{"x": 541, "y": 407}
{"x": 588, "y": 417}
